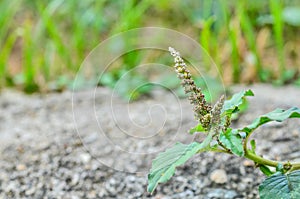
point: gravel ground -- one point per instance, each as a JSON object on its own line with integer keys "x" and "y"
{"x": 98, "y": 146}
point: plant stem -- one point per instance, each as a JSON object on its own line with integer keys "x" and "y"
{"x": 260, "y": 160}
{"x": 218, "y": 150}
{"x": 295, "y": 166}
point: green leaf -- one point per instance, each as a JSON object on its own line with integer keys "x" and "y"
{"x": 163, "y": 167}
{"x": 232, "y": 105}
{"x": 108, "y": 79}
{"x": 278, "y": 115}
{"x": 253, "y": 146}
{"x": 291, "y": 16}
{"x": 198, "y": 128}
{"x": 281, "y": 186}
{"x": 233, "y": 141}
{"x": 131, "y": 86}
{"x": 266, "y": 170}
{"x": 265, "y": 20}
{"x": 241, "y": 109}
{"x": 280, "y": 168}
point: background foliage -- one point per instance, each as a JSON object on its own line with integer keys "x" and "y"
{"x": 43, "y": 43}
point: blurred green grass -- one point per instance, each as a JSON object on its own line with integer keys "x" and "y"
{"x": 43, "y": 43}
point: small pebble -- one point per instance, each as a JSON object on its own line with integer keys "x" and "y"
{"x": 21, "y": 167}
{"x": 85, "y": 157}
{"x": 219, "y": 176}
{"x": 248, "y": 163}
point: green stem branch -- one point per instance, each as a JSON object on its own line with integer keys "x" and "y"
{"x": 263, "y": 161}
{"x": 260, "y": 160}
{"x": 218, "y": 150}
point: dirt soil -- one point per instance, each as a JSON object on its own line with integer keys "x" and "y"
{"x": 92, "y": 144}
